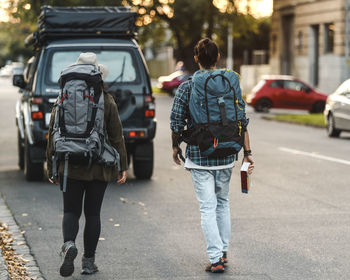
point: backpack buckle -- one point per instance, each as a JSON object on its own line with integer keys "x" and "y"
{"x": 216, "y": 142}
{"x": 240, "y": 128}
{"x": 221, "y": 100}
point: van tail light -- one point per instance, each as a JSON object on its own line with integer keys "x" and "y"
{"x": 150, "y": 111}
{"x": 37, "y": 116}
{"x": 136, "y": 134}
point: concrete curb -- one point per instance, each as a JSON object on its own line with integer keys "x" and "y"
{"x": 20, "y": 245}
{"x": 295, "y": 123}
{"x": 3, "y": 270}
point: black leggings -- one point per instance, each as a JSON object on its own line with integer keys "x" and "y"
{"x": 73, "y": 202}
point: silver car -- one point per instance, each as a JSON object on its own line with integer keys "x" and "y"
{"x": 337, "y": 110}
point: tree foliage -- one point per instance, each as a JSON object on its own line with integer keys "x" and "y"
{"x": 23, "y": 18}
{"x": 12, "y": 37}
{"x": 29, "y": 10}
{"x": 191, "y": 20}
{"x": 187, "y": 21}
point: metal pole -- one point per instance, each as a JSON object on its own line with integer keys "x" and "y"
{"x": 346, "y": 39}
{"x": 346, "y": 29}
{"x": 229, "y": 60}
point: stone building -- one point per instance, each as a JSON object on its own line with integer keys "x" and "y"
{"x": 307, "y": 41}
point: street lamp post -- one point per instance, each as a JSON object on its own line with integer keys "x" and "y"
{"x": 229, "y": 60}
{"x": 347, "y": 30}
{"x": 347, "y": 39}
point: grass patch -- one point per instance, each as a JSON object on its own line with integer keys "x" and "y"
{"x": 158, "y": 90}
{"x": 310, "y": 119}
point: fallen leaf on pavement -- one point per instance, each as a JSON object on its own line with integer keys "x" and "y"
{"x": 15, "y": 263}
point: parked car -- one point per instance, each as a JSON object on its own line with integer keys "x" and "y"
{"x": 171, "y": 83}
{"x": 337, "y": 111}
{"x": 58, "y": 45}
{"x": 285, "y": 92}
{"x": 12, "y": 69}
{"x": 17, "y": 68}
{"x": 6, "y": 71}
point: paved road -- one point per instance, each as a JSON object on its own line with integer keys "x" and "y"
{"x": 294, "y": 224}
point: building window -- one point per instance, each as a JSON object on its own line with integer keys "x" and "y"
{"x": 329, "y": 38}
{"x": 300, "y": 42}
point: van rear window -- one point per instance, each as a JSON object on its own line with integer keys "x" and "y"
{"x": 119, "y": 62}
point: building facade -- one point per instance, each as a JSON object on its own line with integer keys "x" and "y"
{"x": 307, "y": 41}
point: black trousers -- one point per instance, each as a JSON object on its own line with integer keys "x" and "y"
{"x": 92, "y": 193}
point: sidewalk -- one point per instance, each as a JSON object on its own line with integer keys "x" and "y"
{"x": 18, "y": 244}
{"x": 3, "y": 269}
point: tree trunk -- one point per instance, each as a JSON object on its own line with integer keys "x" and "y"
{"x": 211, "y": 13}
{"x": 187, "y": 58}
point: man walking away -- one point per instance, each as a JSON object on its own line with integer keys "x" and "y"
{"x": 210, "y": 105}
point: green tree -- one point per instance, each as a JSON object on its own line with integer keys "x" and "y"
{"x": 24, "y": 15}
{"x": 191, "y": 20}
{"x": 249, "y": 34}
{"x": 29, "y": 10}
{"x": 12, "y": 37}
{"x": 188, "y": 21}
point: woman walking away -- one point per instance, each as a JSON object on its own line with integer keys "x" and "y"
{"x": 210, "y": 105}
{"x": 83, "y": 111}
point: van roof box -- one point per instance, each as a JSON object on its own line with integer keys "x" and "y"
{"x": 73, "y": 22}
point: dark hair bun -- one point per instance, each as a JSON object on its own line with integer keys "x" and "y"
{"x": 207, "y": 52}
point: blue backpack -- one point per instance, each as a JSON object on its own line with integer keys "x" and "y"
{"x": 218, "y": 113}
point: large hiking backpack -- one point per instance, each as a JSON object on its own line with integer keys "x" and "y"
{"x": 78, "y": 130}
{"x": 219, "y": 119}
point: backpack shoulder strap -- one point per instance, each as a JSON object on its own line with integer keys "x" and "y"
{"x": 190, "y": 83}
{"x": 206, "y": 95}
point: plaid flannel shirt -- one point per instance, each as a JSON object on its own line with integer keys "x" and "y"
{"x": 180, "y": 119}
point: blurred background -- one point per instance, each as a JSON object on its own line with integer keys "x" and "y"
{"x": 294, "y": 224}
{"x": 168, "y": 30}
{"x": 303, "y": 38}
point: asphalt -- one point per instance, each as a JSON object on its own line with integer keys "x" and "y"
{"x": 294, "y": 223}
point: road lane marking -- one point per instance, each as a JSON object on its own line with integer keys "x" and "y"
{"x": 296, "y": 152}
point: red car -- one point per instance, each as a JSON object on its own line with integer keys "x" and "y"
{"x": 171, "y": 83}
{"x": 285, "y": 92}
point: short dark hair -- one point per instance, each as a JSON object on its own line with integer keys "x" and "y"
{"x": 207, "y": 52}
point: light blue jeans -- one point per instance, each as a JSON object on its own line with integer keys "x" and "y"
{"x": 212, "y": 190}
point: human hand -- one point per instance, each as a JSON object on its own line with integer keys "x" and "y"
{"x": 121, "y": 177}
{"x": 176, "y": 155}
{"x": 251, "y": 161}
{"x": 54, "y": 181}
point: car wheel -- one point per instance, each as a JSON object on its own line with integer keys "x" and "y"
{"x": 173, "y": 91}
{"x": 331, "y": 130}
{"x": 143, "y": 160}
{"x": 263, "y": 105}
{"x": 317, "y": 107}
{"x": 32, "y": 171}
{"x": 20, "y": 150}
